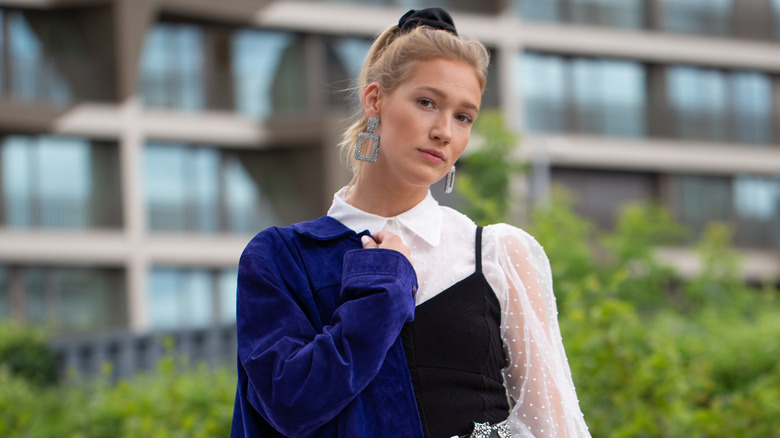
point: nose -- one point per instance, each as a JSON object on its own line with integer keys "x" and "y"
{"x": 442, "y": 129}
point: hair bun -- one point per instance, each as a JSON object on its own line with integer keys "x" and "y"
{"x": 436, "y": 18}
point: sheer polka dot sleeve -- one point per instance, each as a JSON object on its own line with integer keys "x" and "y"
{"x": 537, "y": 374}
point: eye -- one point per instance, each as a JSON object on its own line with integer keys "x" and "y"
{"x": 428, "y": 103}
{"x": 464, "y": 118}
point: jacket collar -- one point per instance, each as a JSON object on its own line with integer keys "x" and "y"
{"x": 323, "y": 228}
{"x": 423, "y": 220}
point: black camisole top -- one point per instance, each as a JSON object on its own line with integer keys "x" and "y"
{"x": 455, "y": 356}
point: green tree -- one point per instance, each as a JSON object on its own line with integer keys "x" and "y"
{"x": 487, "y": 169}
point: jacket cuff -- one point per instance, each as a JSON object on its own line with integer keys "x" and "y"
{"x": 379, "y": 262}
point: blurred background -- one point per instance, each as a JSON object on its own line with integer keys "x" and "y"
{"x": 144, "y": 142}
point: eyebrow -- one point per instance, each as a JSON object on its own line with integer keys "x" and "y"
{"x": 440, "y": 93}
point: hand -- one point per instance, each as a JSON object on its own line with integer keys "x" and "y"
{"x": 387, "y": 240}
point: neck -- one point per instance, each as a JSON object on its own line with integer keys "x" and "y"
{"x": 378, "y": 197}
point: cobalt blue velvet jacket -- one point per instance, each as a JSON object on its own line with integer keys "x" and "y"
{"x": 319, "y": 352}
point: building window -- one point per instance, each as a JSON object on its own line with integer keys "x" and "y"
{"x": 59, "y": 182}
{"x": 206, "y": 189}
{"x": 5, "y": 293}
{"x": 750, "y": 204}
{"x": 600, "y": 194}
{"x": 757, "y": 210}
{"x": 627, "y": 14}
{"x": 597, "y": 96}
{"x": 64, "y": 299}
{"x": 715, "y": 105}
{"x": 483, "y": 7}
{"x": 191, "y": 298}
{"x": 776, "y": 16}
{"x": 709, "y": 17}
{"x": 172, "y": 67}
{"x": 345, "y": 57}
{"x": 269, "y": 73}
{"x": 30, "y": 72}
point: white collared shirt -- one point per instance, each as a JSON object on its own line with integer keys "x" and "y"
{"x": 441, "y": 241}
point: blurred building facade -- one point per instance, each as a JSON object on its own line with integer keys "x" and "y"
{"x": 143, "y": 142}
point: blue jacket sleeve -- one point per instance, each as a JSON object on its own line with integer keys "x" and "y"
{"x": 299, "y": 378}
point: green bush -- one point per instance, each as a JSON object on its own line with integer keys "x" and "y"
{"x": 175, "y": 400}
{"x": 24, "y": 352}
{"x": 654, "y": 354}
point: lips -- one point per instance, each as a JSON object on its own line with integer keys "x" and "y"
{"x": 432, "y": 155}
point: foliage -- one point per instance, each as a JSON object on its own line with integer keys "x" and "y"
{"x": 484, "y": 183}
{"x": 655, "y": 354}
{"x": 652, "y": 353}
{"x": 175, "y": 400}
{"x": 24, "y": 352}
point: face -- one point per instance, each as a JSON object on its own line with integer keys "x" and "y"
{"x": 425, "y": 123}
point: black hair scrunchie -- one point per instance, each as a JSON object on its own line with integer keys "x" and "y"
{"x": 436, "y": 18}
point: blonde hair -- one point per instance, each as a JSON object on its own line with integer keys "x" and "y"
{"x": 392, "y": 59}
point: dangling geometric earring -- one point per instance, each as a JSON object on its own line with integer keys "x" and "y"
{"x": 373, "y": 122}
{"x": 449, "y": 181}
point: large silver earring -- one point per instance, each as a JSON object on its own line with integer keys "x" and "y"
{"x": 449, "y": 181}
{"x": 371, "y": 136}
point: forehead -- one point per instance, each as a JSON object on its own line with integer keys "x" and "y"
{"x": 455, "y": 78}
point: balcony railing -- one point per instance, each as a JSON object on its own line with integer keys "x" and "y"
{"x": 123, "y": 355}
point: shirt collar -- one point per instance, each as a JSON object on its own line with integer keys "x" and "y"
{"x": 423, "y": 220}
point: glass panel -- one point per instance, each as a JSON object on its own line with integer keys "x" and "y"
{"x": 5, "y": 284}
{"x": 18, "y": 168}
{"x": 259, "y": 73}
{"x": 227, "y": 295}
{"x": 35, "y": 76}
{"x": 752, "y": 107}
{"x": 702, "y": 200}
{"x": 196, "y": 298}
{"x": 38, "y": 305}
{"x": 2, "y": 58}
{"x": 51, "y": 182}
{"x": 543, "y": 87}
{"x": 628, "y": 14}
{"x": 172, "y": 64}
{"x": 351, "y": 53}
{"x": 776, "y": 8}
{"x": 345, "y": 57}
{"x": 180, "y": 298}
{"x": 205, "y": 189}
{"x": 181, "y": 187}
{"x": 585, "y": 95}
{"x": 698, "y": 100}
{"x": 66, "y": 299}
{"x": 85, "y": 299}
{"x": 246, "y": 207}
{"x": 609, "y": 97}
{"x": 539, "y": 10}
{"x": 600, "y": 193}
{"x": 203, "y": 177}
{"x": 64, "y": 182}
{"x": 485, "y": 6}
{"x": 165, "y": 180}
{"x": 164, "y": 287}
{"x": 697, "y": 16}
{"x": 757, "y": 207}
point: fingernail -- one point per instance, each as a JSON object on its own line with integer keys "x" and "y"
{"x": 365, "y": 240}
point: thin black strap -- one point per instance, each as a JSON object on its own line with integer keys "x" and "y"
{"x": 478, "y": 248}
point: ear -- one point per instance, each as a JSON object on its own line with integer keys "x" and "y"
{"x": 371, "y": 99}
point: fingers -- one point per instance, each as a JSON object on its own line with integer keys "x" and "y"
{"x": 368, "y": 242}
{"x": 387, "y": 240}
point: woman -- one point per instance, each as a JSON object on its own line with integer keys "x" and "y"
{"x": 393, "y": 316}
